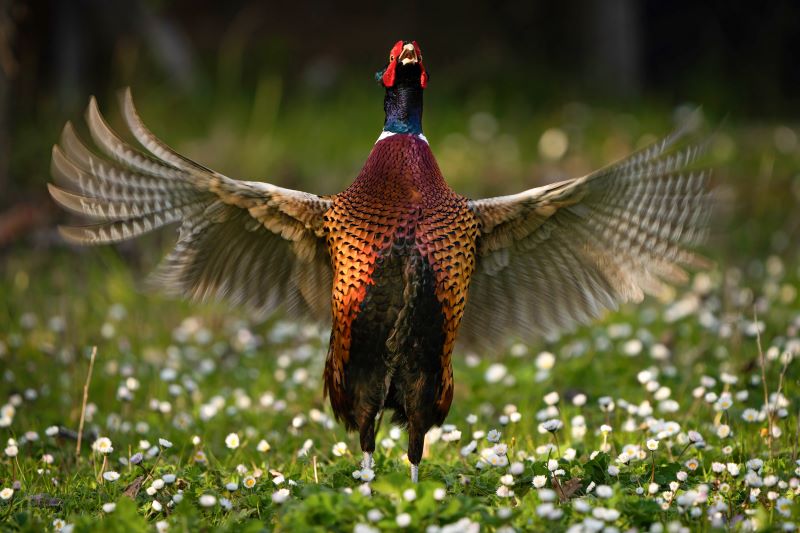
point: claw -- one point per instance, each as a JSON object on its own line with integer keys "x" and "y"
{"x": 414, "y": 473}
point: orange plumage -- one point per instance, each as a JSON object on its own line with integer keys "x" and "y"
{"x": 400, "y": 196}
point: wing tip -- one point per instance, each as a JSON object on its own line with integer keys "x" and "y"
{"x": 62, "y": 197}
{"x": 128, "y": 107}
{"x": 73, "y": 234}
{"x": 67, "y": 131}
{"x": 56, "y": 153}
{"x": 54, "y": 190}
{"x": 68, "y": 200}
{"x": 93, "y": 114}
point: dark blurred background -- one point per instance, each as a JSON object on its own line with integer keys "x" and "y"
{"x": 285, "y": 91}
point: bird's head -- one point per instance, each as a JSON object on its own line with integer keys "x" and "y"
{"x": 405, "y": 67}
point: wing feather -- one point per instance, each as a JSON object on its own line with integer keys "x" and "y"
{"x": 252, "y": 243}
{"x": 558, "y": 255}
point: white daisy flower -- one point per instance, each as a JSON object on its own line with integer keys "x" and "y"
{"x": 551, "y": 398}
{"x": 280, "y": 496}
{"x": 208, "y": 500}
{"x": 495, "y": 373}
{"x": 552, "y": 425}
{"x": 604, "y": 491}
{"x": 750, "y": 415}
{"x": 103, "y": 445}
{"x": 784, "y": 507}
{"x": 469, "y": 448}
{"x": 364, "y": 474}
{"x": 232, "y": 441}
{"x": 339, "y": 449}
{"x": 545, "y": 361}
{"x": 451, "y": 436}
{"x": 403, "y": 520}
{"x": 503, "y": 491}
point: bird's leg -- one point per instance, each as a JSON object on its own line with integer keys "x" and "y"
{"x": 367, "y": 461}
{"x": 416, "y": 443}
{"x": 366, "y": 432}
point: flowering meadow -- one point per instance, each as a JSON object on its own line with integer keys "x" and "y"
{"x": 664, "y": 416}
{"x": 679, "y": 414}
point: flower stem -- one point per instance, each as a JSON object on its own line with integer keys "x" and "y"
{"x": 653, "y": 472}
{"x": 102, "y": 468}
{"x": 684, "y": 451}
{"x": 558, "y": 448}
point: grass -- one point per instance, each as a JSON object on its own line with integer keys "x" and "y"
{"x": 173, "y": 382}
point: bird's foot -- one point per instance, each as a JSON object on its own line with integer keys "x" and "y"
{"x": 367, "y": 461}
{"x": 414, "y": 473}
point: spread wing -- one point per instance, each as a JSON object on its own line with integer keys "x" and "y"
{"x": 250, "y": 242}
{"x": 560, "y": 254}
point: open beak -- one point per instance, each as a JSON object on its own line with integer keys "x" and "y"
{"x": 408, "y": 55}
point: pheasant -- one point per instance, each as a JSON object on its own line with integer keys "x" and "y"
{"x": 399, "y": 262}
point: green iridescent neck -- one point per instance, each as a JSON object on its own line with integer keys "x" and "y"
{"x": 403, "y": 107}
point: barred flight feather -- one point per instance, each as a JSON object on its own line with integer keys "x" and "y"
{"x": 558, "y": 255}
{"x": 250, "y": 242}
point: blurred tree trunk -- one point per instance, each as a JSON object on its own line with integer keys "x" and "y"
{"x": 8, "y": 68}
{"x": 69, "y": 53}
{"x": 5, "y": 138}
{"x": 613, "y": 47}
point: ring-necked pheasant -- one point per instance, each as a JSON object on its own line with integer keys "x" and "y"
{"x": 399, "y": 261}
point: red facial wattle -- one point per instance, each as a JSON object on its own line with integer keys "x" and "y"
{"x": 423, "y": 77}
{"x": 391, "y": 70}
